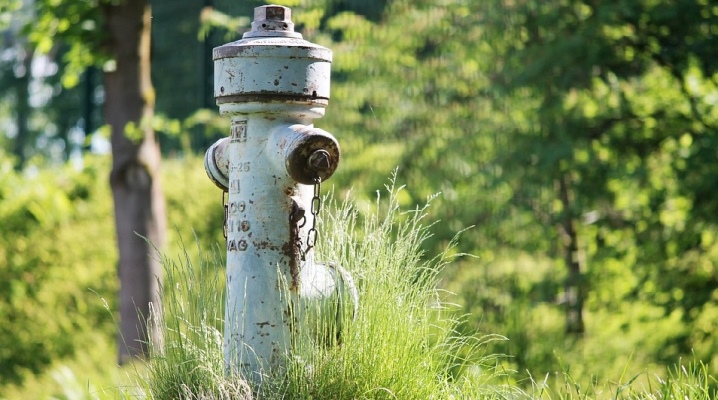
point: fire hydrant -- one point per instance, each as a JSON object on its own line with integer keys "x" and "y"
{"x": 272, "y": 84}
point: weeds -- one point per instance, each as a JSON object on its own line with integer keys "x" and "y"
{"x": 401, "y": 344}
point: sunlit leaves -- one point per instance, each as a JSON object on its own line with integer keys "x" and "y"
{"x": 8, "y": 10}
{"x": 75, "y": 23}
{"x": 213, "y": 19}
{"x": 45, "y": 266}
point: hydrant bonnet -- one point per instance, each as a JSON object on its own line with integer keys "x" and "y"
{"x": 299, "y": 72}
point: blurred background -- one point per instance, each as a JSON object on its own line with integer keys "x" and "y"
{"x": 577, "y": 138}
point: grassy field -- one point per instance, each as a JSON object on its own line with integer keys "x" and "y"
{"x": 403, "y": 344}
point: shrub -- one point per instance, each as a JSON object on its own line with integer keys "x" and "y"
{"x": 57, "y": 254}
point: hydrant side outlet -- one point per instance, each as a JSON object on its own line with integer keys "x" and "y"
{"x": 307, "y": 154}
{"x": 216, "y": 163}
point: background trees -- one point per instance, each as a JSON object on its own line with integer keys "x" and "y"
{"x": 116, "y": 36}
{"x": 613, "y": 106}
{"x": 134, "y": 179}
{"x": 560, "y": 129}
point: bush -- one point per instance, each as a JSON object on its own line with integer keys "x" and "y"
{"x": 57, "y": 255}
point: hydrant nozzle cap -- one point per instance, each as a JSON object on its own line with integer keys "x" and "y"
{"x": 272, "y": 20}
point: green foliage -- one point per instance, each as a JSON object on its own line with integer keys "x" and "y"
{"x": 58, "y": 255}
{"x": 85, "y": 376}
{"x": 518, "y": 296}
{"x": 685, "y": 381}
{"x": 202, "y": 125}
{"x": 7, "y": 8}
{"x": 513, "y": 296}
{"x": 212, "y": 19}
{"x": 498, "y": 106}
{"x": 194, "y": 206}
{"x": 78, "y": 25}
{"x": 50, "y": 278}
{"x": 42, "y": 118}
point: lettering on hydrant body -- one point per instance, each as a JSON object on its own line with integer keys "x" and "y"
{"x": 272, "y": 84}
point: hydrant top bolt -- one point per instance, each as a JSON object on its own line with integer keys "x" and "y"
{"x": 272, "y": 13}
{"x": 272, "y": 18}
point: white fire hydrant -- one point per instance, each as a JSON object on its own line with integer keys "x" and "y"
{"x": 272, "y": 84}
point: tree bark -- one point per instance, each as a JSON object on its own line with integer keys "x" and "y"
{"x": 574, "y": 282}
{"x": 22, "y": 109}
{"x": 135, "y": 181}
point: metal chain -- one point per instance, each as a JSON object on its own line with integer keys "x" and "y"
{"x": 225, "y": 204}
{"x": 316, "y": 207}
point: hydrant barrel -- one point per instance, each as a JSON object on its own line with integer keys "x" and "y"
{"x": 272, "y": 84}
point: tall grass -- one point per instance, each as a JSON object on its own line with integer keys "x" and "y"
{"x": 189, "y": 361}
{"x": 401, "y": 344}
{"x": 690, "y": 381}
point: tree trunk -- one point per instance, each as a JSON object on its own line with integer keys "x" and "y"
{"x": 574, "y": 281}
{"x": 135, "y": 182}
{"x": 22, "y": 84}
{"x": 88, "y": 107}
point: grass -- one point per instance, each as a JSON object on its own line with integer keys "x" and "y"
{"x": 691, "y": 381}
{"x": 402, "y": 344}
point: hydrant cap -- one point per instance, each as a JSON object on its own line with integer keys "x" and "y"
{"x": 272, "y": 63}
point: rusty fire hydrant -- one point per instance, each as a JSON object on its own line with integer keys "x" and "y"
{"x": 272, "y": 84}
